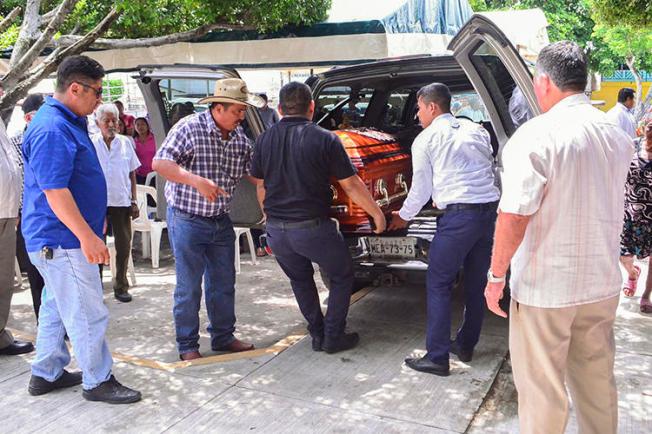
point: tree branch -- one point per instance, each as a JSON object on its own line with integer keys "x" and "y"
{"x": 46, "y": 17}
{"x": 153, "y": 42}
{"x": 50, "y": 64}
{"x": 28, "y": 31}
{"x": 32, "y": 54}
{"x": 6, "y": 22}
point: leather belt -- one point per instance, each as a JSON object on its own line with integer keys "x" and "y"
{"x": 472, "y": 206}
{"x": 304, "y": 224}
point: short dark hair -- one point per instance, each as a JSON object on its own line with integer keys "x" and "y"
{"x": 264, "y": 96}
{"x": 294, "y": 98}
{"x": 32, "y": 103}
{"x": 76, "y": 68}
{"x": 625, "y": 93}
{"x": 118, "y": 103}
{"x": 566, "y": 65}
{"x": 437, "y": 93}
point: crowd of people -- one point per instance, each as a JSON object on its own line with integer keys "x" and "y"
{"x": 556, "y": 224}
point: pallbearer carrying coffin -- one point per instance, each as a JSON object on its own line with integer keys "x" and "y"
{"x": 294, "y": 161}
{"x": 452, "y": 164}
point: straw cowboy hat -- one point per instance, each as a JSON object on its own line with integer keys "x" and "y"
{"x": 234, "y": 91}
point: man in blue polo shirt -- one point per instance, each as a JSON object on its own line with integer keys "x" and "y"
{"x": 63, "y": 217}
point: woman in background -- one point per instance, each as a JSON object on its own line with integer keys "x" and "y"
{"x": 145, "y": 148}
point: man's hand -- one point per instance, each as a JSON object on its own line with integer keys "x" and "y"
{"x": 397, "y": 222}
{"x": 95, "y": 250}
{"x": 208, "y": 189}
{"x": 493, "y": 293}
{"x": 135, "y": 212}
{"x": 380, "y": 223}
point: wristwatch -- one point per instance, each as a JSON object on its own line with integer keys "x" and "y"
{"x": 134, "y": 202}
{"x": 493, "y": 279}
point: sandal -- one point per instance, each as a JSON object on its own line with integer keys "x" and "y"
{"x": 630, "y": 287}
{"x": 260, "y": 252}
{"x": 646, "y": 305}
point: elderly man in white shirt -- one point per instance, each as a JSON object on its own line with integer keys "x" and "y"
{"x": 119, "y": 163}
{"x": 621, "y": 114}
{"x": 10, "y": 185}
{"x": 452, "y": 165}
{"x": 559, "y": 224}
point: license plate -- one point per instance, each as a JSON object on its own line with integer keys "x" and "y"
{"x": 387, "y": 247}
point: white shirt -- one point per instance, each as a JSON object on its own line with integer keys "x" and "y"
{"x": 567, "y": 169}
{"x": 10, "y": 177}
{"x": 623, "y": 117}
{"x": 116, "y": 164}
{"x": 452, "y": 163}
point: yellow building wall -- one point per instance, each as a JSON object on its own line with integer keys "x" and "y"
{"x": 609, "y": 92}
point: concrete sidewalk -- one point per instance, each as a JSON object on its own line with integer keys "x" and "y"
{"x": 290, "y": 388}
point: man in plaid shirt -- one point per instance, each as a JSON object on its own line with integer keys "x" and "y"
{"x": 203, "y": 158}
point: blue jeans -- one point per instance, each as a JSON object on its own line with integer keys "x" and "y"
{"x": 203, "y": 247}
{"x": 72, "y": 301}
{"x": 295, "y": 250}
{"x": 463, "y": 238}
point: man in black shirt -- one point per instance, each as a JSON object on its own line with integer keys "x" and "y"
{"x": 293, "y": 162}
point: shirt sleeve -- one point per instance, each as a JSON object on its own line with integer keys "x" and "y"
{"x": 340, "y": 163}
{"x": 421, "y": 188}
{"x": 248, "y": 155}
{"x": 51, "y": 157}
{"x": 525, "y": 174}
{"x": 177, "y": 146}
{"x": 134, "y": 162}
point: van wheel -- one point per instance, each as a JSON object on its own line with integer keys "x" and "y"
{"x": 358, "y": 284}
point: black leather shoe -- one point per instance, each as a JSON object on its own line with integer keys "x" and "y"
{"x": 123, "y": 296}
{"x": 41, "y": 386}
{"x": 317, "y": 342}
{"x": 426, "y": 365}
{"x": 462, "y": 354}
{"x": 16, "y": 348}
{"x": 112, "y": 392}
{"x": 343, "y": 342}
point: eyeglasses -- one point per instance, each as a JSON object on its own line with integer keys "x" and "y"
{"x": 98, "y": 92}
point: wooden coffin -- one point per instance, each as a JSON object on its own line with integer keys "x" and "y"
{"x": 384, "y": 167}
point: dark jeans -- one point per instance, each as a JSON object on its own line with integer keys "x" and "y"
{"x": 295, "y": 250}
{"x": 119, "y": 226}
{"x": 36, "y": 282}
{"x": 463, "y": 238}
{"x": 203, "y": 247}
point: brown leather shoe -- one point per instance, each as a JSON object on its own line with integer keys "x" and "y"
{"x": 236, "y": 346}
{"x": 190, "y": 356}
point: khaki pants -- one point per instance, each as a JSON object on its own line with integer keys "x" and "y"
{"x": 7, "y": 261}
{"x": 550, "y": 347}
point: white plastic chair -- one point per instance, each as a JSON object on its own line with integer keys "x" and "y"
{"x": 110, "y": 244}
{"x": 150, "y": 181}
{"x": 250, "y": 240}
{"x": 151, "y": 230}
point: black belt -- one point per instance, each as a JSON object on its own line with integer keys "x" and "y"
{"x": 474, "y": 206}
{"x": 304, "y": 224}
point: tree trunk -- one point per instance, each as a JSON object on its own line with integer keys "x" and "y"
{"x": 638, "y": 108}
{"x": 28, "y": 32}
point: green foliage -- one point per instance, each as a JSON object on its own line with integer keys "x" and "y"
{"x": 634, "y": 13}
{"x": 112, "y": 90}
{"x": 9, "y": 36}
{"x": 149, "y": 18}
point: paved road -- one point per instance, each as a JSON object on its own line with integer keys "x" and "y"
{"x": 287, "y": 387}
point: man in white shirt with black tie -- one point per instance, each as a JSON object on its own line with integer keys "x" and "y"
{"x": 452, "y": 165}
{"x": 621, "y": 114}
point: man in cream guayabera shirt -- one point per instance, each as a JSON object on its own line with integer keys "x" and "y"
{"x": 559, "y": 222}
{"x": 9, "y": 199}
